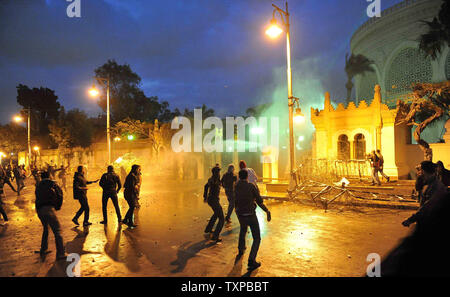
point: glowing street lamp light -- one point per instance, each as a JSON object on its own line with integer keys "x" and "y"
{"x": 18, "y": 119}
{"x": 130, "y": 137}
{"x": 2, "y": 154}
{"x": 274, "y": 30}
{"x": 36, "y": 148}
{"x": 299, "y": 117}
{"x": 94, "y": 92}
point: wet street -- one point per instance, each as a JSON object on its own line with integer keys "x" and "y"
{"x": 301, "y": 240}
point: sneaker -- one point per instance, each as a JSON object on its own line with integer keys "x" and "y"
{"x": 217, "y": 240}
{"x": 87, "y": 224}
{"x": 75, "y": 221}
{"x": 104, "y": 222}
{"x": 252, "y": 265}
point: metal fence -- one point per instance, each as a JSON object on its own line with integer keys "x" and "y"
{"x": 325, "y": 169}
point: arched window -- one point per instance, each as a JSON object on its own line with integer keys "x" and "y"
{"x": 343, "y": 147}
{"x": 359, "y": 146}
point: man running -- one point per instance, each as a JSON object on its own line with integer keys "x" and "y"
{"x": 228, "y": 182}
{"x": 4, "y": 179}
{"x": 211, "y": 196}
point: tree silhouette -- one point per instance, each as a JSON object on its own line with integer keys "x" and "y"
{"x": 430, "y": 102}
{"x": 127, "y": 99}
{"x": 44, "y": 107}
{"x": 354, "y": 65}
{"x": 438, "y": 32}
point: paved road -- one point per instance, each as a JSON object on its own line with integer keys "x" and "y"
{"x": 301, "y": 240}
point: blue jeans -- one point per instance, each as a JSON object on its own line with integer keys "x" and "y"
{"x": 252, "y": 222}
{"x": 218, "y": 214}
{"x": 47, "y": 215}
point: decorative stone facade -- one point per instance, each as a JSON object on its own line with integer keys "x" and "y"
{"x": 392, "y": 43}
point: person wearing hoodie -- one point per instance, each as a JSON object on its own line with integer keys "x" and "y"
{"x": 80, "y": 193}
{"x": 211, "y": 196}
{"x": 228, "y": 182}
{"x": 131, "y": 190}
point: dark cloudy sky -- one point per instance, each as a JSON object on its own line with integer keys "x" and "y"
{"x": 187, "y": 52}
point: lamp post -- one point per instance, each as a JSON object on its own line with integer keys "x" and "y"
{"x": 94, "y": 93}
{"x": 19, "y": 119}
{"x": 274, "y": 31}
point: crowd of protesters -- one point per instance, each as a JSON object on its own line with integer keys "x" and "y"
{"x": 421, "y": 253}
{"x": 243, "y": 195}
{"x": 50, "y": 195}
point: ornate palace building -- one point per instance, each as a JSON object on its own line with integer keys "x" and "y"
{"x": 350, "y": 132}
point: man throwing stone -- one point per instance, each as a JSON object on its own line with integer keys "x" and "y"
{"x": 246, "y": 194}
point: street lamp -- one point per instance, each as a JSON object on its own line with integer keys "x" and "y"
{"x": 94, "y": 93}
{"x": 274, "y": 31}
{"x": 19, "y": 119}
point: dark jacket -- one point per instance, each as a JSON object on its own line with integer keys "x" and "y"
{"x": 4, "y": 179}
{"x": 132, "y": 186}
{"x": 429, "y": 214}
{"x": 110, "y": 182}
{"x": 212, "y": 189}
{"x": 80, "y": 182}
{"x": 228, "y": 181}
{"x": 246, "y": 194}
{"x": 48, "y": 193}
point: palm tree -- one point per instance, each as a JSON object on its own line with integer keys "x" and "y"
{"x": 206, "y": 112}
{"x": 258, "y": 110}
{"x": 438, "y": 34}
{"x": 354, "y": 65}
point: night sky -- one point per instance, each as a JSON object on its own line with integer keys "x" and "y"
{"x": 187, "y": 52}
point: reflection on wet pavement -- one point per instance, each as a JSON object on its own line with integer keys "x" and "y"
{"x": 299, "y": 241}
